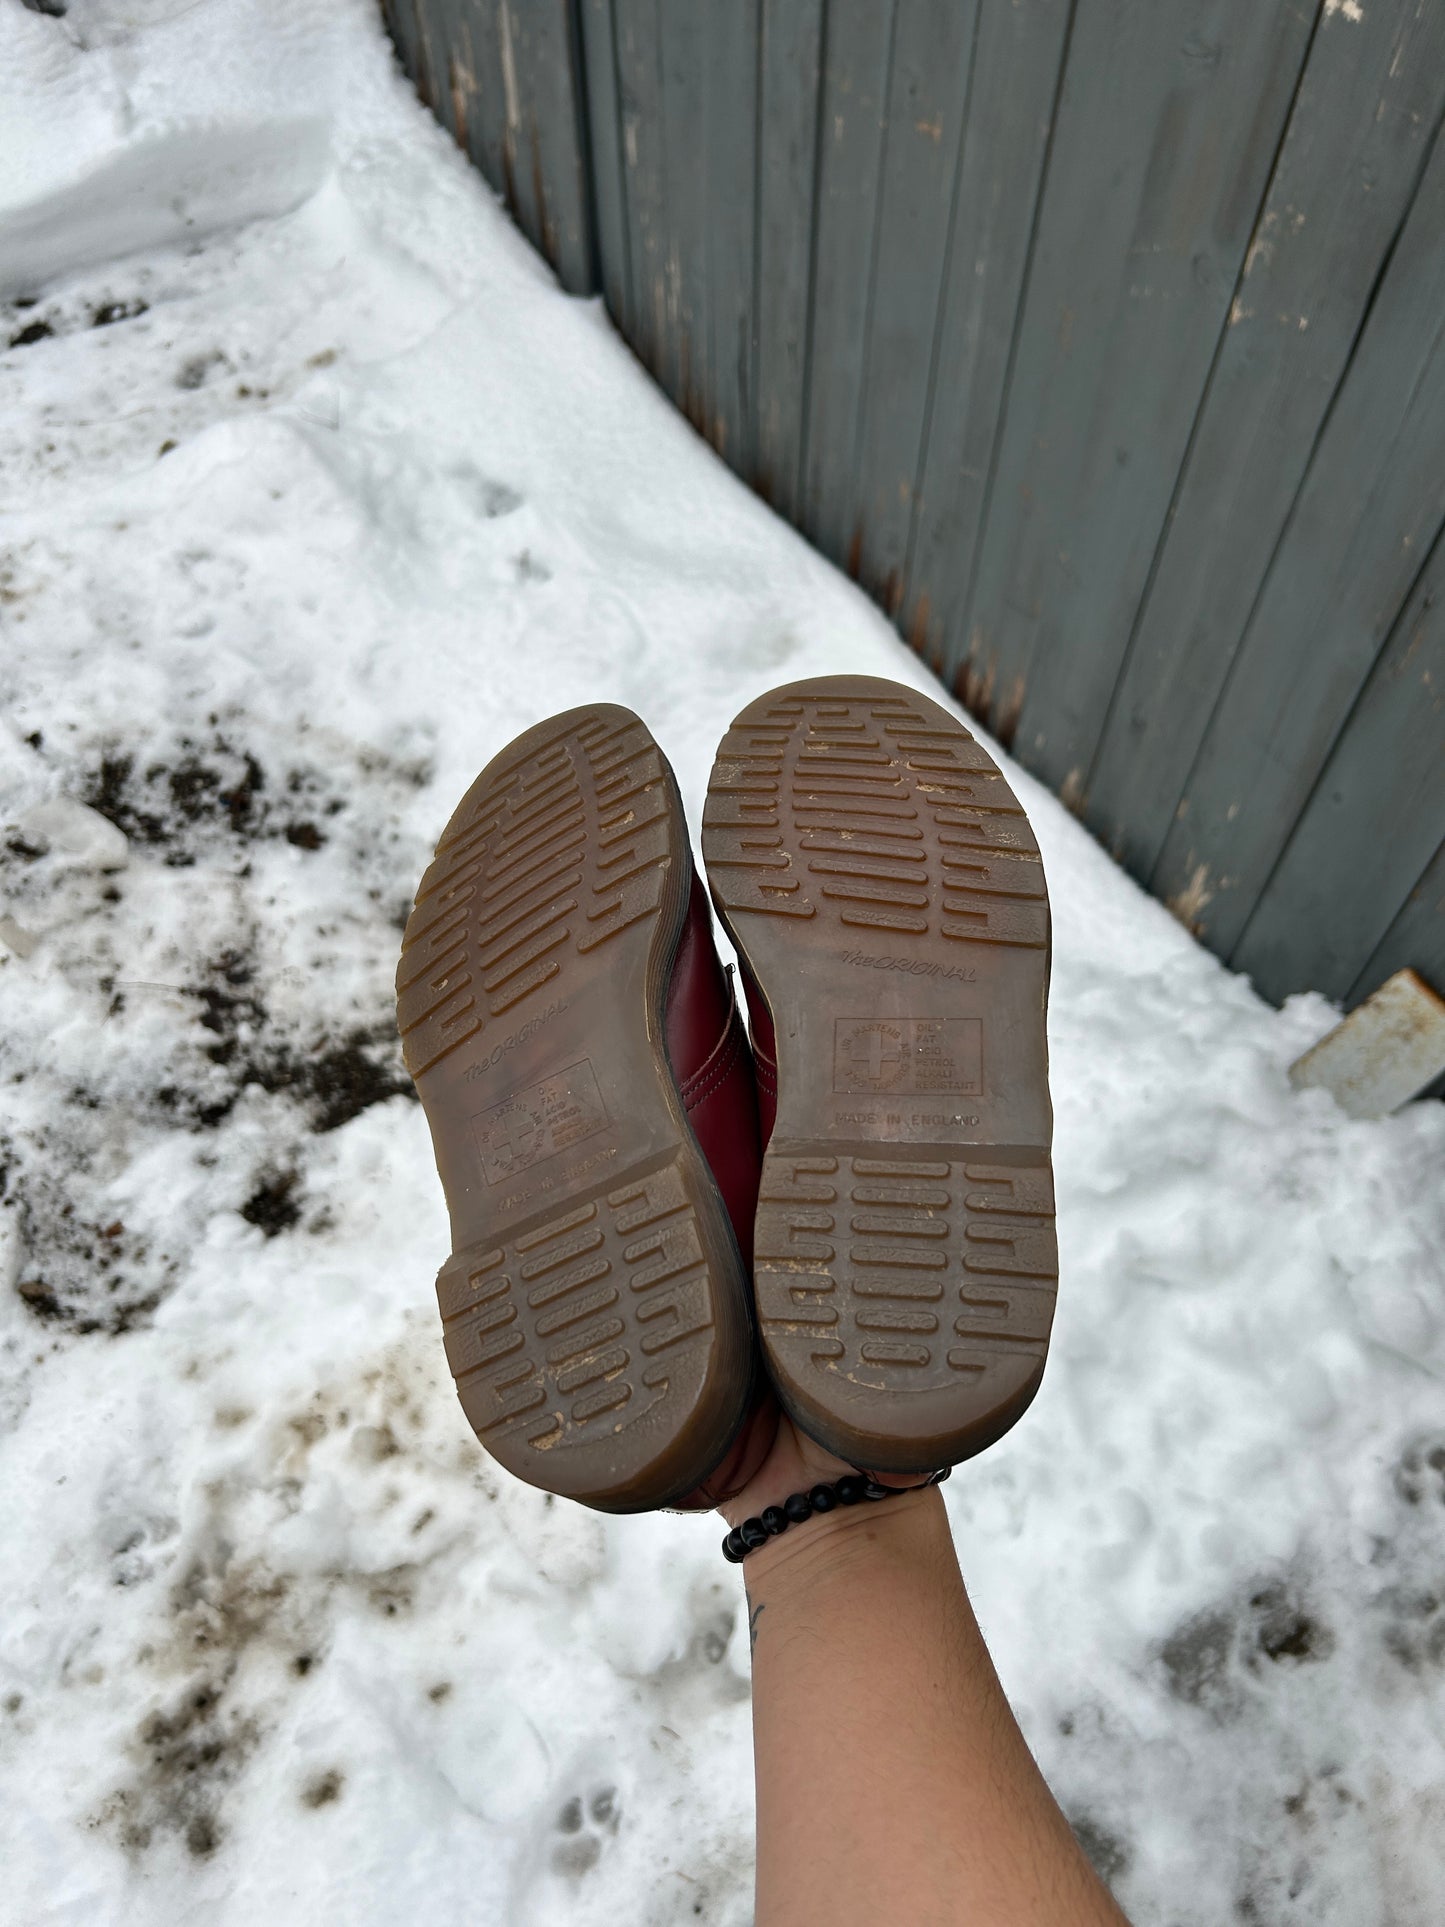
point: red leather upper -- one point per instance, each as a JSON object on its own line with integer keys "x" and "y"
{"x": 707, "y": 1049}
{"x": 765, "y": 1057}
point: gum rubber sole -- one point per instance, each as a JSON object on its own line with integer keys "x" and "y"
{"x": 595, "y": 1312}
{"x": 882, "y": 885}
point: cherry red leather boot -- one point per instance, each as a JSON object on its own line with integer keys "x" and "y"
{"x": 765, "y": 1056}
{"x": 583, "y": 1068}
{"x": 707, "y": 1047}
{"x": 722, "y": 1107}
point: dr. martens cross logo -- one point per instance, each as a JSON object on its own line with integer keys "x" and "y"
{"x": 874, "y": 1052}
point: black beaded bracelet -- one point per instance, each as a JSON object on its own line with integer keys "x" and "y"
{"x": 855, "y": 1489}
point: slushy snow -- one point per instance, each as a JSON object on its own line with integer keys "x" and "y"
{"x": 314, "y": 490}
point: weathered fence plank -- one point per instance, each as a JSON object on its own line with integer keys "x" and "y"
{"x": 1017, "y": 66}
{"x": 548, "y": 54}
{"x": 604, "y": 130}
{"x": 922, "y": 144}
{"x": 855, "y": 90}
{"x": 400, "y": 17}
{"x": 523, "y": 185}
{"x": 1369, "y": 510}
{"x": 683, "y": 56}
{"x": 472, "y": 99}
{"x": 1166, "y": 136}
{"x": 1358, "y": 137}
{"x": 1414, "y": 941}
{"x": 639, "y": 93}
{"x": 505, "y": 80}
{"x": 788, "y": 126}
{"x": 427, "y": 22}
{"x": 1372, "y": 823}
{"x": 1103, "y": 341}
{"x": 730, "y": 55}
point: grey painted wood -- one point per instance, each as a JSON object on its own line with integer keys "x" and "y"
{"x": 488, "y": 122}
{"x": 428, "y": 52}
{"x": 399, "y": 18}
{"x": 543, "y": 136}
{"x": 639, "y": 82}
{"x": 436, "y": 37}
{"x": 1372, "y": 822}
{"x": 1366, "y": 517}
{"x": 790, "y": 64}
{"x": 1168, "y": 125}
{"x": 558, "y": 53}
{"x": 731, "y": 71}
{"x": 604, "y": 130}
{"x": 522, "y": 186}
{"x": 855, "y": 92}
{"x": 1357, "y": 140}
{"x": 928, "y": 97}
{"x": 683, "y": 57}
{"x": 473, "y": 100}
{"x": 1415, "y": 939}
{"x": 503, "y": 77}
{"x": 1017, "y": 65}
{"x": 1018, "y": 379}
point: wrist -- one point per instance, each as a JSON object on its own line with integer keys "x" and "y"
{"x": 837, "y": 1541}
{"x": 775, "y": 1484}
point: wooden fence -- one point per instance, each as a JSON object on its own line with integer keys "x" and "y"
{"x": 1103, "y": 341}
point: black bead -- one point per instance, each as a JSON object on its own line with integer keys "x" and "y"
{"x": 775, "y": 1520}
{"x": 872, "y": 1490}
{"x": 798, "y": 1507}
{"x": 753, "y": 1534}
{"x": 733, "y": 1548}
{"x": 822, "y": 1498}
{"x": 939, "y": 1477}
{"x": 849, "y": 1490}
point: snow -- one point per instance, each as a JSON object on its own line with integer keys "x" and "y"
{"x": 314, "y": 491}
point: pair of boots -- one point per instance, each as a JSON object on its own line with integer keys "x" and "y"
{"x": 657, "y": 1233}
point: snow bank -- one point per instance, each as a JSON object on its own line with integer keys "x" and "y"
{"x": 315, "y": 491}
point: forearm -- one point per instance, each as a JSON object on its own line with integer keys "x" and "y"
{"x": 893, "y": 1782}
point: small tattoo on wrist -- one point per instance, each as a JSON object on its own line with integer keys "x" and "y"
{"x": 753, "y": 1617}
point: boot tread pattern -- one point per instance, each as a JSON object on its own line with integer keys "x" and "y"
{"x": 897, "y": 1270}
{"x": 547, "y": 858}
{"x": 585, "y": 1321}
{"x": 886, "y": 893}
{"x": 861, "y": 808}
